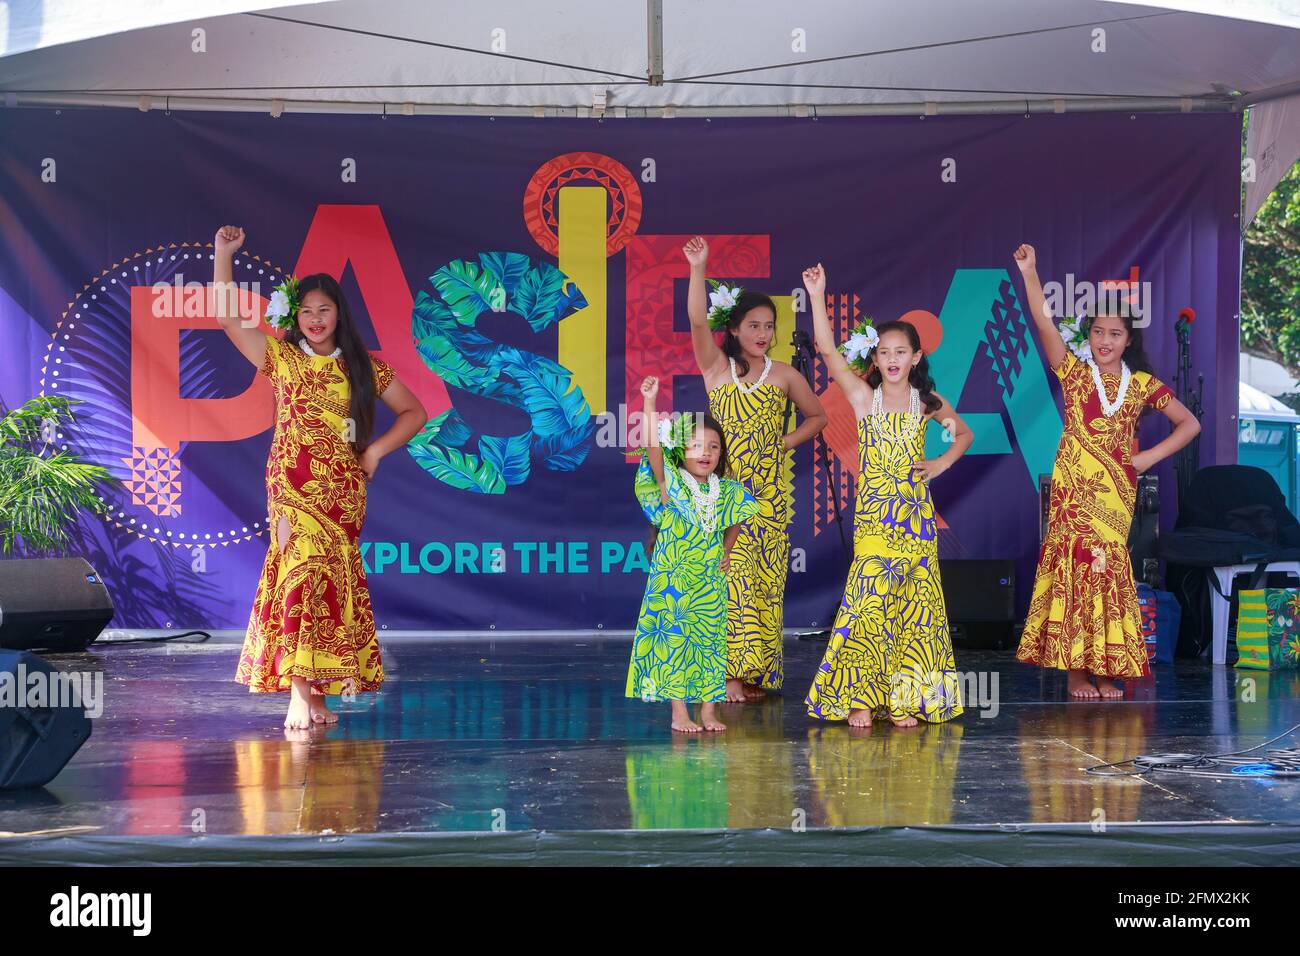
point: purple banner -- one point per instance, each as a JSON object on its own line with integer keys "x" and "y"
{"x": 106, "y": 221}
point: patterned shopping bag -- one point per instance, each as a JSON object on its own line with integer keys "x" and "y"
{"x": 1268, "y": 629}
{"x": 1147, "y": 607}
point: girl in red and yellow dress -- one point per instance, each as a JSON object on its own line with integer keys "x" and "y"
{"x": 311, "y": 631}
{"x": 1083, "y": 617}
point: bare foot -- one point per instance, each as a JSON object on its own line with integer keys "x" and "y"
{"x": 709, "y": 717}
{"x": 903, "y": 722}
{"x": 682, "y": 722}
{"x": 860, "y": 718}
{"x": 1080, "y": 686}
{"x": 299, "y": 716}
{"x": 1107, "y": 688}
{"x": 320, "y": 714}
{"x": 753, "y": 692}
{"x": 736, "y": 692}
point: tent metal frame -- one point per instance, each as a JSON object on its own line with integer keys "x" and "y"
{"x": 605, "y": 81}
{"x": 277, "y": 106}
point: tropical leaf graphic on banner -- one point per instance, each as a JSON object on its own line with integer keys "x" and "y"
{"x": 449, "y": 428}
{"x": 430, "y": 316}
{"x": 546, "y": 295}
{"x": 468, "y": 291}
{"x": 455, "y": 467}
{"x": 443, "y": 321}
{"x": 508, "y": 455}
{"x": 441, "y": 354}
{"x": 561, "y": 418}
{"x": 508, "y": 268}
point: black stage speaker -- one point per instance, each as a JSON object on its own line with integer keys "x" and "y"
{"x": 980, "y": 597}
{"x": 36, "y": 741}
{"x": 54, "y": 604}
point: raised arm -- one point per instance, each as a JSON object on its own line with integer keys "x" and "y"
{"x": 1053, "y": 344}
{"x": 654, "y": 454}
{"x": 854, "y": 388}
{"x": 708, "y": 356}
{"x": 250, "y": 340}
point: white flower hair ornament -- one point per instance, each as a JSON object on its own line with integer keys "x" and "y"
{"x": 856, "y": 349}
{"x": 282, "y": 308}
{"x": 1075, "y": 337}
{"x": 673, "y": 433}
{"x": 722, "y": 302}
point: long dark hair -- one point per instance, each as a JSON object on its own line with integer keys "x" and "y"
{"x": 356, "y": 357}
{"x": 1135, "y": 353}
{"x": 919, "y": 376}
{"x": 747, "y": 302}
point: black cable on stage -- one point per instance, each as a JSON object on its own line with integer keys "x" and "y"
{"x": 205, "y": 636}
{"x": 1282, "y": 762}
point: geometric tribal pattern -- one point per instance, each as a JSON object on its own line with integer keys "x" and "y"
{"x": 844, "y": 311}
{"x": 155, "y": 480}
{"x": 1006, "y": 339}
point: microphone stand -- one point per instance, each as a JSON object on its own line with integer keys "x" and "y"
{"x": 1189, "y": 457}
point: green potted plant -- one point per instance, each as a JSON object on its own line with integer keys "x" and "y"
{"x": 43, "y": 487}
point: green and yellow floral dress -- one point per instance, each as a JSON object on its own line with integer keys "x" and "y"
{"x": 679, "y": 651}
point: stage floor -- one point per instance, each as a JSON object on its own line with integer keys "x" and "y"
{"x": 534, "y": 738}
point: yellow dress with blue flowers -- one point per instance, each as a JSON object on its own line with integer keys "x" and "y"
{"x": 754, "y": 421}
{"x": 679, "y": 651}
{"x": 889, "y": 652}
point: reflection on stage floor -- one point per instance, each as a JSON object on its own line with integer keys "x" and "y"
{"x": 536, "y": 735}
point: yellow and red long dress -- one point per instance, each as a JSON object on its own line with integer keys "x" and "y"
{"x": 311, "y": 614}
{"x": 1084, "y": 612}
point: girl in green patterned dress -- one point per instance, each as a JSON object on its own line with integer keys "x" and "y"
{"x": 679, "y": 652}
{"x": 889, "y": 653}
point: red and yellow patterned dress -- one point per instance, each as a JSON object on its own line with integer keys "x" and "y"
{"x": 311, "y": 615}
{"x": 1084, "y": 612}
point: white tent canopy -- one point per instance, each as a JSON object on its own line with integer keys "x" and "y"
{"x": 1256, "y": 404}
{"x": 648, "y": 57}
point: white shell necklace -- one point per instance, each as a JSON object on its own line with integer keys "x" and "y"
{"x": 913, "y": 411}
{"x": 705, "y": 503}
{"x": 1109, "y": 408}
{"x": 312, "y": 353}
{"x": 767, "y": 367}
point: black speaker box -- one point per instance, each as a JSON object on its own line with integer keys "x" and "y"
{"x": 980, "y": 597}
{"x": 53, "y": 604}
{"x": 36, "y": 741}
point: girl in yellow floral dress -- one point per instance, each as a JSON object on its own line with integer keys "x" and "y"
{"x": 748, "y": 392}
{"x": 311, "y": 631}
{"x": 1083, "y": 616}
{"x": 889, "y": 652}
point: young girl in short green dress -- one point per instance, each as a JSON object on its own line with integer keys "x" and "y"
{"x": 679, "y": 652}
